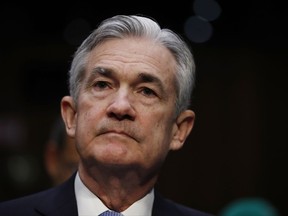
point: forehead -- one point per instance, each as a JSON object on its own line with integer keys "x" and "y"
{"x": 133, "y": 55}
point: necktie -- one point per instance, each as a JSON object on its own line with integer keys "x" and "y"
{"x": 110, "y": 213}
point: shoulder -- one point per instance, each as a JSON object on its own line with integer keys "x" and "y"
{"x": 24, "y": 205}
{"x": 43, "y": 201}
{"x": 164, "y": 206}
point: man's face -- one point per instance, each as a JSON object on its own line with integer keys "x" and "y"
{"x": 125, "y": 111}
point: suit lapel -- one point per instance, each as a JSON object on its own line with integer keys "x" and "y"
{"x": 59, "y": 201}
{"x": 160, "y": 207}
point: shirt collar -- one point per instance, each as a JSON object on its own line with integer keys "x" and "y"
{"x": 89, "y": 204}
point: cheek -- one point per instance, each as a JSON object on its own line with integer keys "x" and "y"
{"x": 88, "y": 113}
{"x": 158, "y": 130}
{"x": 86, "y": 123}
{"x": 157, "y": 145}
{"x": 158, "y": 121}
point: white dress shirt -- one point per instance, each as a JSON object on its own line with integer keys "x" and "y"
{"x": 89, "y": 204}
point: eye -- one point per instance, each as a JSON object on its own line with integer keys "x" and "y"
{"x": 101, "y": 85}
{"x": 148, "y": 92}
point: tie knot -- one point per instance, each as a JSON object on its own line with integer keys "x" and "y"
{"x": 110, "y": 213}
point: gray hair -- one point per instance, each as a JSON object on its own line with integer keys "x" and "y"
{"x": 121, "y": 26}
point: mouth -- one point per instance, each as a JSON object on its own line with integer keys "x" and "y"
{"x": 119, "y": 133}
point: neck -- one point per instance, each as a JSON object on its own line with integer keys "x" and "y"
{"x": 117, "y": 188}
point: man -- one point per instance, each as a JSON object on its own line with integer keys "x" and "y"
{"x": 60, "y": 155}
{"x": 130, "y": 85}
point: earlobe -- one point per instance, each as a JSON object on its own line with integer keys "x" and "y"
{"x": 68, "y": 112}
{"x": 182, "y": 128}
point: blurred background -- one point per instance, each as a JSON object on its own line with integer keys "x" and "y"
{"x": 238, "y": 148}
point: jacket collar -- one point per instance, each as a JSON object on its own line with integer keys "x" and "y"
{"x": 59, "y": 201}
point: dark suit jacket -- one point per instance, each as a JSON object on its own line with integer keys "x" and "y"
{"x": 61, "y": 201}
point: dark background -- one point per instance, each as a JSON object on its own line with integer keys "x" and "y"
{"x": 238, "y": 148}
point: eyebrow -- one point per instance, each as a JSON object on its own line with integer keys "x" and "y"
{"x": 103, "y": 71}
{"x": 148, "y": 78}
{"x": 142, "y": 77}
{"x": 98, "y": 71}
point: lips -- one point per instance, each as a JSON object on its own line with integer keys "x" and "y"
{"x": 118, "y": 132}
{"x": 119, "y": 128}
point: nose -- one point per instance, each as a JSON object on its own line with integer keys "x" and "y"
{"x": 121, "y": 107}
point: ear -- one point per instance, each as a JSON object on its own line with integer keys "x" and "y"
{"x": 182, "y": 128}
{"x": 69, "y": 114}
